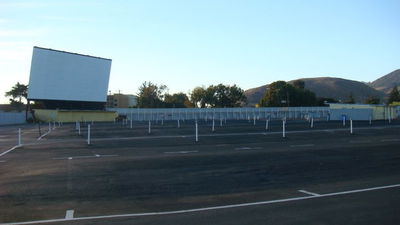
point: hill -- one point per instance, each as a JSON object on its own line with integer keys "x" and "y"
{"x": 328, "y": 87}
{"x": 387, "y": 82}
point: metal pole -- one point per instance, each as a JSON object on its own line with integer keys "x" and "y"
{"x": 179, "y": 124}
{"x": 49, "y": 127}
{"x": 283, "y": 128}
{"x": 266, "y": 124}
{"x": 197, "y": 132}
{"x": 213, "y": 125}
{"x": 88, "y": 134}
{"x": 351, "y": 126}
{"x": 79, "y": 128}
{"x": 370, "y": 120}
{"x": 220, "y": 122}
{"x": 19, "y": 137}
{"x": 149, "y": 127}
{"x": 344, "y": 121}
{"x": 312, "y": 122}
{"x": 162, "y": 122}
{"x": 254, "y": 120}
{"x": 54, "y": 125}
{"x": 131, "y": 123}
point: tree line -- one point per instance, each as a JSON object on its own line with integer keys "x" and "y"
{"x": 151, "y": 95}
{"x": 278, "y": 94}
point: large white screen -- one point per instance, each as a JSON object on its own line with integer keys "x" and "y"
{"x": 57, "y": 75}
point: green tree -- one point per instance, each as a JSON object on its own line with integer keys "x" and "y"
{"x": 394, "y": 96}
{"x": 198, "y": 97}
{"x": 372, "y": 100}
{"x": 350, "y": 99}
{"x": 177, "y": 100}
{"x": 218, "y": 96}
{"x": 281, "y": 94}
{"x": 151, "y": 95}
{"x": 17, "y": 93}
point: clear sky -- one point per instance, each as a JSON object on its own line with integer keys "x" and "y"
{"x": 184, "y": 43}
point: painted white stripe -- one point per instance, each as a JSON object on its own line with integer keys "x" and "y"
{"x": 69, "y": 214}
{"x": 248, "y": 148}
{"x": 209, "y": 208}
{"x": 360, "y": 142}
{"x": 309, "y": 193}
{"x": 11, "y": 149}
{"x": 390, "y": 140}
{"x": 84, "y": 157}
{"x": 300, "y": 146}
{"x": 2, "y": 161}
{"x": 181, "y": 152}
{"x": 43, "y": 135}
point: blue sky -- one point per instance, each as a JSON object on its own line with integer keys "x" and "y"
{"x": 184, "y": 44}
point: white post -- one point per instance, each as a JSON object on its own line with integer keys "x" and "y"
{"x": 312, "y": 122}
{"x": 19, "y": 137}
{"x": 88, "y": 134}
{"x": 149, "y": 127}
{"x": 92, "y": 122}
{"x": 220, "y": 122}
{"x": 162, "y": 122}
{"x": 54, "y": 125}
{"x": 370, "y": 120}
{"x": 197, "y": 132}
{"x": 131, "y": 123}
{"x": 283, "y": 128}
{"x": 49, "y": 127}
{"x": 351, "y": 126}
{"x": 254, "y": 120}
{"x": 179, "y": 124}
{"x": 266, "y": 124}
{"x": 79, "y": 128}
{"x": 389, "y": 116}
{"x": 344, "y": 121}
{"x": 213, "y": 125}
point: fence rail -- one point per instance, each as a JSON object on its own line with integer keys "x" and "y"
{"x": 223, "y": 113}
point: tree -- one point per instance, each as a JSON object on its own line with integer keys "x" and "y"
{"x": 350, "y": 100}
{"x": 281, "y": 94}
{"x": 177, "y": 100}
{"x": 218, "y": 96}
{"x": 299, "y": 84}
{"x": 321, "y": 101}
{"x": 18, "y": 91}
{"x": 151, "y": 95}
{"x": 197, "y": 96}
{"x": 394, "y": 96}
{"x": 372, "y": 100}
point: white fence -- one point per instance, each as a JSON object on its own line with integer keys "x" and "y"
{"x": 12, "y": 118}
{"x": 223, "y": 113}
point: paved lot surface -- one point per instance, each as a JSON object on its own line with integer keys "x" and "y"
{"x": 320, "y": 175}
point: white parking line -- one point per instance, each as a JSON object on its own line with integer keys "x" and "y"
{"x": 181, "y": 152}
{"x": 69, "y": 214}
{"x": 9, "y": 150}
{"x": 248, "y": 148}
{"x": 301, "y": 146}
{"x": 84, "y": 157}
{"x": 390, "y": 140}
{"x": 209, "y": 208}
{"x": 360, "y": 142}
{"x": 309, "y": 193}
{"x": 2, "y": 161}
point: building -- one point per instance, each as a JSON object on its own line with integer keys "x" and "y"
{"x": 121, "y": 101}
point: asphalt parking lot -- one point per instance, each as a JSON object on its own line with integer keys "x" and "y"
{"x": 239, "y": 174}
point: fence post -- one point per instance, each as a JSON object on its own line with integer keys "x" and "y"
{"x": 149, "y": 127}
{"x": 312, "y": 122}
{"x": 88, "y": 135}
{"x": 283, "y": 128}
{"x": 197, "y": 132}
{"x": 19, "y": 137}
{"x": 351, "y": 126}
